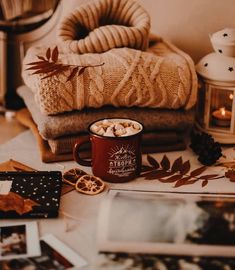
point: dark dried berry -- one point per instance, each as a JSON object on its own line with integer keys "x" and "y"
{"x": 206, "y": 148}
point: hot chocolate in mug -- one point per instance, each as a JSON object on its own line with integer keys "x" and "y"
{"x": 115, "y": 149}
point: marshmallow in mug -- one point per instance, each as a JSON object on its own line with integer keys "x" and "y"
{"x": 116, "y": 127}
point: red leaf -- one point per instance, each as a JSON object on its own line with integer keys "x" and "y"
{"x": 41, "y": 58}
{"x": 209, "y": 176}
{"x": 145, "y": 168}
{"x": 40, "y": 66}
{"x": 185, "y": 167}
{"x": 36, "y": 62}
{"x": 81, "y": 70}
{"x": 172, "y": 179}
{"x": 152, "y": 161}
{"x": 204, "y": 183}
{"x": 48, "y": 69}
{"x": 48, "y": 53}
{"x": 165, "y": 163}
{"x": 72, "y": 74}
{"x": 157, "y": 174}
{"x": 182, "y": 181}
{"x": 198, "y": 171}
{"x": 55, "y": 54}
{"x": 63, "y": 68}
{"x": 177, "y": 165}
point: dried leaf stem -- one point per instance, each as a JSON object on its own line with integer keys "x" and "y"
{"x": 49, "y": 64}
{"x": 179, "y": 173}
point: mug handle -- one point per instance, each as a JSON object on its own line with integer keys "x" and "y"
{"x": 76, "y": 155}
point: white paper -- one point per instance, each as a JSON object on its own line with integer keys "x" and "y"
{"x": 5, "y": 187}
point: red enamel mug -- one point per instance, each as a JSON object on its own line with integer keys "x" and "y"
{"x": 114, "y": 159}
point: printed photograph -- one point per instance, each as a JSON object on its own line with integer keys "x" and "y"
{"x": 129, "y": 261}
{"x": 162, "y": 218}
{"x": 19, "y": 240}
{"x": 13, "y": 240}
{"x": 51, "y": 258}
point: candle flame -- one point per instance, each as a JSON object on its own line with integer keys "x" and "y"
{"x": 222, "y": 111}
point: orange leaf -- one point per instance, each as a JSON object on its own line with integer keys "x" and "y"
{"x": 165, "y": 163}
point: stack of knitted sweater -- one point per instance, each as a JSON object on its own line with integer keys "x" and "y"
{"x": 142, "y": 77}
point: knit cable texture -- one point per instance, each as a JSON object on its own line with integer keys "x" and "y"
{"x": 100, "y": 25}
{"x": 161, "y": 77}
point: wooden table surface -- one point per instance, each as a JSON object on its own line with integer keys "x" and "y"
{"x": 9, "y": 128}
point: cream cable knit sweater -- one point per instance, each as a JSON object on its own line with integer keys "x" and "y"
{"x": 100, "y": 25}
{"x": 162, "y": 77}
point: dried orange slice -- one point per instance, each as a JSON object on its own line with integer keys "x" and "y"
{"x": 70, "y": 177}
{"x": 89, "y": 184}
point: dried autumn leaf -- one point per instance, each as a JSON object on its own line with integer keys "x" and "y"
{"x": 49, "y": 68}
{"x": 183, "y": 181}
{"x": 81, "y": 70}
{"x": 55, "y": 54}
{"x": 198, "y": 171}
{"x": 152, "y": 161}
{"x": 57, "y": 71}
{"x": 157, "y": 174}
{"x": 14, "y": 202}
{"x": 36, "y": 63}
{"x": 204, "y": 183}
{"x": 48, "y": 53}
{"x": 209, "y": 176}
{"x": 165, "y": 163}
{"x": 185, "y": 167}
{"x": 172, "y": 178}
{"x": 145, "y": 168}
{"x": 177, "y": 164}
{"x": 41, "y": 66}
{"x": 41, "y": 58}
{"x": 72, "y": 74}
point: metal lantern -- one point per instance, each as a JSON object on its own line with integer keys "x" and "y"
{"x": 216, "y": 94}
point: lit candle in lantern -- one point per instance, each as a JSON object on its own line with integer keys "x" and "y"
{"x": 222, "y": 117}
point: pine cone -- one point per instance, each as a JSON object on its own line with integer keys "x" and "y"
{"x": 204, "y": 145}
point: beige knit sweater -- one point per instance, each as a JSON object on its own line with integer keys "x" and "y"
{"x": 100, "y": 25}
{"x": 160, "y": 77}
